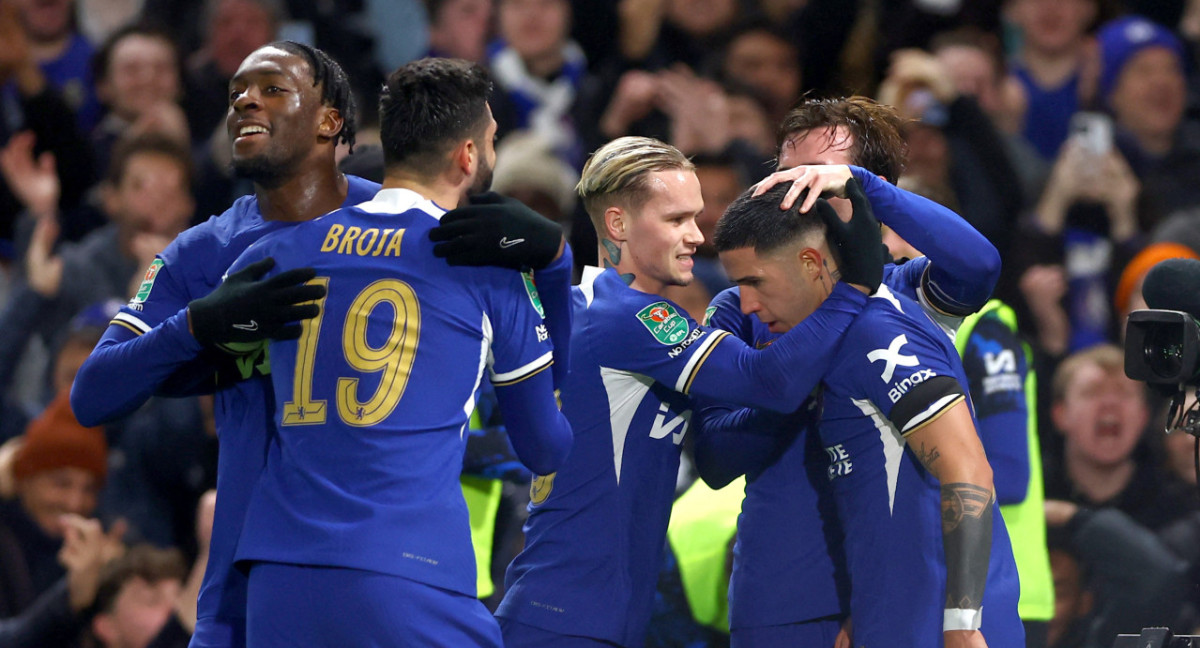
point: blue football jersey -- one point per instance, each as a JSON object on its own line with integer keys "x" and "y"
{"x": 888, "y": 504}
{"x": 190, "y": 268}
{"x": 372, "y": 402}
{"x": 788, "y": 565}
{"x": 596, "y": 529}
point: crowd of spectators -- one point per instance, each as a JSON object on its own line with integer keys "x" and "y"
{"x": 1065, "y": 131}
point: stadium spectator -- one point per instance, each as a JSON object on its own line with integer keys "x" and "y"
{"x": 50, "y": 551}
{"x": 137, "y": 596}
{"x": 232, "y": 30}
{"x": 137, "y": 74}
{"x": 538, "y": 71}
{"x": 147, "y": 200}
{"x": 1142, "y": 83}
{"x": 1102, "y": 415}
{"x": 1049, "y": 66}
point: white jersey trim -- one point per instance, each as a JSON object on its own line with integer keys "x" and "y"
{"x": 893, "y": 446}
{"x": 930, "y": 412}
{"x": 132, "y": 321}
{"x": 398, "y": 201}
{"x": 524, "y": 371}
{"x": 698, "y": 354}
{"x": 625, "y": 391}
{"x": 587, "y": 282}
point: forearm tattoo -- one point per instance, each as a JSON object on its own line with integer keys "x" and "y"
{"x": 967, "y": 536}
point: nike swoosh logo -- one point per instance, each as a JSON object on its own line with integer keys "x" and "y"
{"x": 505, "y": 243}
{"x": 252, "y": 326}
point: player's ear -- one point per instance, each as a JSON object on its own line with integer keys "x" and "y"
{"x": 464, "y": 155}
{"x": 616, "y": 223}
{"x": 810, "y": 262}
{"x": 330, "y": 124}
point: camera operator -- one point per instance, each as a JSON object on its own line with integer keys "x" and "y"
{"x": 1162, "y": 348}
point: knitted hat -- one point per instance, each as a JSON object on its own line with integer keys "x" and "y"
{"x": 56, "y": 440}
{"x": 1121, "y": 39}
{"x": 1141, "y": 264}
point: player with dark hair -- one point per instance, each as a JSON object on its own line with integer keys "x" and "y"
{"x": 596, "y": 530}
{"x": 925, "y": 545}
{"x": 284, "y": 125}
{"x": 358, "y": 534}
{"x": 788, "y": 584}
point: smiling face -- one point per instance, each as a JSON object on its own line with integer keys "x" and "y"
{"x": 1150, "y": 93}
{"x": 275, "y": 115}
{"x": 143, "y": 73}
{"x": 661, "y": 234}
{"x": 1102, "y": 415}
{"x": 48, "y": 495}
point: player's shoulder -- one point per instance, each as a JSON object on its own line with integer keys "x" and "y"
{"x": 359, "y": 190}
{"x": 727, "y": 299}
{"x": 886, "y": 314}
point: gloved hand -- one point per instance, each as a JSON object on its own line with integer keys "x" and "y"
{"x": 496, "y": 231}
{"x": 858, "y": 242}
{"x": 244, "y": 309}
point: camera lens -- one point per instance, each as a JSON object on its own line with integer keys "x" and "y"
{"x": 1163, "y": 351}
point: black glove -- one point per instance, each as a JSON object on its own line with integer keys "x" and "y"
{"x": 243, "y": 309}
{"x": 496, "y": 231}
{"x": 858, "y": 242}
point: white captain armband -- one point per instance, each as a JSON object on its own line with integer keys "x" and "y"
{"x": 961, "y": 619}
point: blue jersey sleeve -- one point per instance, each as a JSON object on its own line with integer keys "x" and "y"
{"x": 732, "y": 441}
{"x": 144, "y": 348}
{"x": 781, "y": 376}
{"x": 520, "y": 353}
{"x": 996, "y": 366}
{"x": 659, "y": 340}
{"x": 554, "y": 287}
{"x": 900, "y": 368}
{"x": 965, "y": 265}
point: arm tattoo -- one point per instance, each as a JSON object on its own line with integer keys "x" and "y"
{"x": 967, "y": 539}
{"x": 927, "y": 457}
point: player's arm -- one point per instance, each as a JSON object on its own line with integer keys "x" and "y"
{"x": 731, "y": 441}
{"x": 780, "y": 376}
{"x": 145, "y": 345}
{"x": 554, "y": 287}
{"x": 489, "y": 452}
{"x": 948, "y": 446}
{"x": 503, "y": 232}
{"x": 997, "y": 368}
{"x": 128, "y": 365}
{"x": 539, "y": 432}
{"x": 964, "y": 266}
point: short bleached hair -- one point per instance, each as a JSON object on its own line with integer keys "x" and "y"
{"x": 618, "y": 174}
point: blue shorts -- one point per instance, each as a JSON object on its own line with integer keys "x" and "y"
{"x": 810, "y": 634}
{"x": 298, "y": 605}
{"x": 520, "y": 635}
{"x": 214, "y": 632}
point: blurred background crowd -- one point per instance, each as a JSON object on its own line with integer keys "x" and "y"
{"x": 1066, "y": 131}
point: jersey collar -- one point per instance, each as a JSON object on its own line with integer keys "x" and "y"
{"x": 398, "y": 201}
